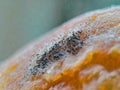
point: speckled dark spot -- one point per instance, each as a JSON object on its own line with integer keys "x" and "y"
{"x": 70, "y": 45}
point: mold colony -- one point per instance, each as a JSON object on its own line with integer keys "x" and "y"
{"x": 71, "y": 45}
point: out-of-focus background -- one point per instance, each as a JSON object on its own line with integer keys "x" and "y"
{"x": 21, "y": 21}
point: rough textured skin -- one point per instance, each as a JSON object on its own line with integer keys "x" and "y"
{"x": 94, "y": 64}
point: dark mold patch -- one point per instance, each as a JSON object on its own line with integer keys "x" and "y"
{"x": 70, "y": 45}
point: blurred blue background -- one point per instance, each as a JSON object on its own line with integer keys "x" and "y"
{"x": 21, "y": 21}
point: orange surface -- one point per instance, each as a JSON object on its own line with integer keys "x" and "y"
{"x": 95, "y": 67}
